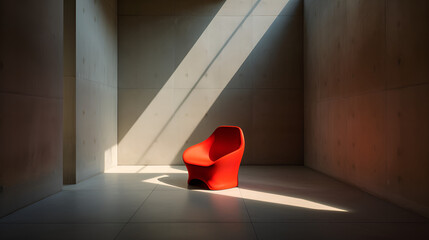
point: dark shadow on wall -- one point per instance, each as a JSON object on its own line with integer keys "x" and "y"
{"x": 30, "y": 102}
{"x": 153, "y": 40}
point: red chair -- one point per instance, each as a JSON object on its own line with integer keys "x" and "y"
{"x": 216, "y": 160}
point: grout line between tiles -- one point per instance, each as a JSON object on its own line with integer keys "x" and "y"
{"x": 125, "y": 224}
{"x": 248, "y": 214}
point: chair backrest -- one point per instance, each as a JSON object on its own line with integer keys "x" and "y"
{"x": 226, "y": 139}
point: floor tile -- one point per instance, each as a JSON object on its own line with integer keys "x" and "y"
{"x": 191, "y": 206}
{"x": 281, "y": 193}
{"x": 84, "y": 206}
{"x": 339, "y": 206}
{"x": 115, "y": 181}
{"x": 186, "y": 231}
{"x": 288, "y": 178}
{"x": 350, "y": 231}
{"x": 59, "y": 231}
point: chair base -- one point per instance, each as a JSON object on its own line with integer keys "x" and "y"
{"x": 216, "y": 187}
{"x": 213, "y": 180}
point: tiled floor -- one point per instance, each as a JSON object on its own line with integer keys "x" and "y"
{"x": 156, "y": 203}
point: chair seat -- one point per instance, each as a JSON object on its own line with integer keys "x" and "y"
{"x": 198, "y": 156}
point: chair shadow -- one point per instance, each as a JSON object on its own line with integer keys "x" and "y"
{"x": 195, "y": 184}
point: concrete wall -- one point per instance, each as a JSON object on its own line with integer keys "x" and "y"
{"x": 367, "y": 94}
{"x": 31, "y": 83}
{"x": 186, "y": 67}
{"x": 96, "y": 87}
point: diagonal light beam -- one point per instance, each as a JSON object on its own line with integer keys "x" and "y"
{"x": 161, "y": 131}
